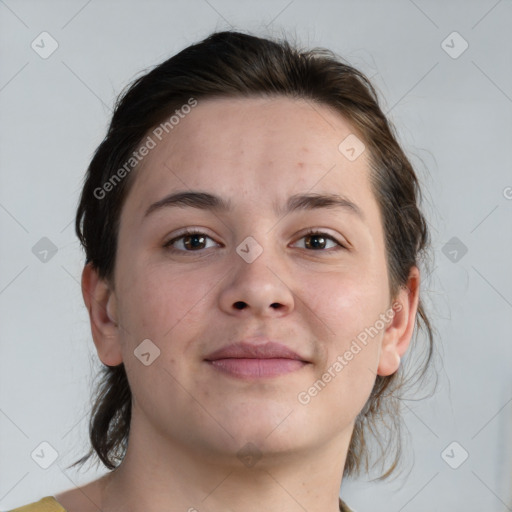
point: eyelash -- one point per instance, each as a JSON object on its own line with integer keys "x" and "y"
{"x": 310, "y": 232}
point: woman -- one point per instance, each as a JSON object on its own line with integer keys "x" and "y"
{"x": 253, "y": 239}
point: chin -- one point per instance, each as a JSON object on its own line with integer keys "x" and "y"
{"x": 281, "y": 428}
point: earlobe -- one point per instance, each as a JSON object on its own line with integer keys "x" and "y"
{"x": 398, "y": 334}
{"x": 101, "y": 304}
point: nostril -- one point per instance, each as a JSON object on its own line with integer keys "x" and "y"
{"x": 243, "y": 305}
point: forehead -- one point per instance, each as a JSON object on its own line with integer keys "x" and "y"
{"x": 253, "y": 149}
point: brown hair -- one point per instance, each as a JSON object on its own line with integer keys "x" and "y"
{"x": 233, "y": 64}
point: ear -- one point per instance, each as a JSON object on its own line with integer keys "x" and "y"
{"x": 399, "y": 333}
{"x": 100, "y": 301}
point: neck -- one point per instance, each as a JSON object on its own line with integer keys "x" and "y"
{"x": 154, "y": 479}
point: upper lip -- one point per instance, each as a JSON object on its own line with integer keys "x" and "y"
{"x": 250, "y": 350}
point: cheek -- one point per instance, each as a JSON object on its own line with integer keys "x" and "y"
{"x": 158, "y": 302}
{"x": 167, "y": 309}
{"x": 346, "y": 369}
{"x": 348, "y": 302}
{"x": 349, "y": 307}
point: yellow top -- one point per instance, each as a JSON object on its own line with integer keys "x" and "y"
{"x": 47, "y": 504}
{"x": 50, "y": 504}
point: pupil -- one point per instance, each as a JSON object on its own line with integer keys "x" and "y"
{"x": 317, "y": 237}
{"x": 194, "y": 244}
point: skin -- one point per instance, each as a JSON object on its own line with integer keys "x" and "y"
{"x": 189, "y": 421}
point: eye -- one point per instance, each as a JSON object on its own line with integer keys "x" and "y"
{"x": 318, "y": 241}
{"x": 189, "y": 241}
{"x": 193, "y": 240}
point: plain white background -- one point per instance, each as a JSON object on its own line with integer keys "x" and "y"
{"x": 453, "y": 112}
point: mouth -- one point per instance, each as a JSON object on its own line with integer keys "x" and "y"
{"x": 256, "y": 368}
{"x": 255, "y": 361}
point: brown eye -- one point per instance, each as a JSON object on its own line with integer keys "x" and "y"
{"x": 194, "y": 241}
{"x": 318, "y": 241}
{"x": 190, "y": 241}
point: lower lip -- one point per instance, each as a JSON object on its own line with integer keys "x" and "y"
{"x": 257, "y": 368}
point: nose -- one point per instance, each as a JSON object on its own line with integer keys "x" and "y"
{"x": 260, "y": 288}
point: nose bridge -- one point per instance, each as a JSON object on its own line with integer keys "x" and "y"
{"x": 258, "y": 232}
{"x": 258, "y": 257}
{"x": 257, "y": 282}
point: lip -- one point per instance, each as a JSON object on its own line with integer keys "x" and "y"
{"x": 250, "y": 350}
{"x": 248, "y": 360}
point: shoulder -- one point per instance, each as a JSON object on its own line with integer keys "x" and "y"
{"x": 46, "y": 504}
{"x": 344, "y": 507}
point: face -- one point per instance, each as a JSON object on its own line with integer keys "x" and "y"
{"x": 308, "y": 276}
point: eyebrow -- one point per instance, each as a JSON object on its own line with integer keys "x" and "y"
{"x": 297, "y": 202}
